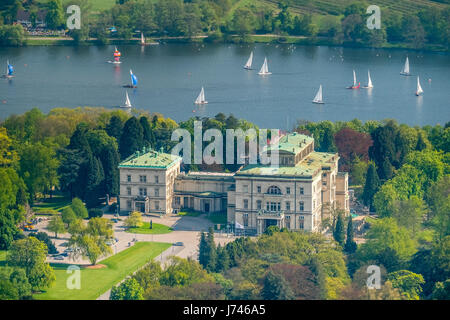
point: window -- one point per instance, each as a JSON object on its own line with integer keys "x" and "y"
{"x": 143, "y": 178}
{"x": 129, "y": 204}
{"x": 245, "y": 203}
{"x": 156, "y": 179}
{"x": 129, "y": 191}
{"x": 301, "y": 225}
{"x": 245, "y": 188}
{"x": 143, "y": 192}
{"x": 156, "y": 192}
{"x": 288, "y": 222}
{"x": 273, "y": 206}
{"x": 129, "y": 178}
{"x": 177, "y": 200}
{"x": 258, "y": 188}
{"x": 258, "y": 204}
{"x": 288, "y": 190}
{"x": 302, "y": 190}
{"x": 324, "y": 183}
{"x": 302, "y": 206}
{"x": 245, "y": 218}
{"x": 288, "y": 206}
{"x": 156, "y": 205}
{"x": 274, "y": 190}
{"x": 324, "y": 174}
{"x": 301, "y": 222}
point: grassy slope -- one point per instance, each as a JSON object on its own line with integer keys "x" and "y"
{"x": 95, "y": 282}
{"x": 57, "y": 203}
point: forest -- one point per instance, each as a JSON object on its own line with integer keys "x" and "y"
{"x": 238, "y": 21}
{"x": 400, "y": 172}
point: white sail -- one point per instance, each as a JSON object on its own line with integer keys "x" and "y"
{"x": 405, "y": 70}
{"x": 201, "y": 97}
{"x": 354, "y": 78}
{"x": 369, "y": 83}
{"x": 127, "y": 101}
{"x": 264, "y": 68}
{"x": 318, "y": 98}
{"x": 142, "y": 38}
{"x": 419, "y": 87}
{"x": 248, "y": 65}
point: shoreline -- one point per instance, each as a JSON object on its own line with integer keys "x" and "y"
{"x": 228, "y": 39}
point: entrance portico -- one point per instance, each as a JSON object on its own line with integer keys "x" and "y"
{"x": 265, "y": 219}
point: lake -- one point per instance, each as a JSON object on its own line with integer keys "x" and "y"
{"x": 171, "y": 76}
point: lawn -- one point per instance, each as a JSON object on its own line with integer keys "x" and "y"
{"x": 189, "y": 213}
{"x": 145, "y": 229}
{"x": 52, "y": 206}
{"x": 217, "y": 217}
{"x": 2, "y": 257}
{"x": 95, "y": 282}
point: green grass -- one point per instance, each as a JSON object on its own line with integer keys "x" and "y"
{"x": 2, "y": 257}
{"x": 217, "y": 217}
{"x": 95, "y": 282}
{"x": 52, "y": 206}
{"x": 189, "y": 213}
{"x": 145, "y": 229}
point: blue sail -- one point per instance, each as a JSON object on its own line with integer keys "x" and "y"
{"x": 134, "y": 80}
{"x": 10, "y": 70}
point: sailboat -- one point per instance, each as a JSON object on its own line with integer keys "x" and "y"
{"x": 264, "y": 69}
{"x": 9, "y": 71}
{"x": 248, "y": 65}
{"x": 405, "y": 70}
{"x": 318, "y": 98}
{"x": 201, "y": 98}
{"x": 419, "y": 90}
{"x": 354, "y": 86}
{"x": 142, "y": 39}
{"x": 127, "y": 102}
{"x": 134, "y": 81}
{"x": 369, "y": 82}
{"x": 117, "y": 56}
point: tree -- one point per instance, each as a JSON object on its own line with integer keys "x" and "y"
{"x": 275, "y": 287}
{"x": 56, "y": 225}
{"x": 91, "y": 241}
{"x": 339, "y": 230}
{"x": 110, "y": 158}
{"x": 441, "y": 290}
{"x": 211, "y": 251}
{"x": 421, "y": 145}
{"x": 410, "y": 213}
{"x": 114, "y": 127}
{"x": 42, "y": 236}
{"x": 31, "y": 254}
{"x": 371, "y": 186}
{"x": 202, "y": 249}
{"x": 134, "y": 220}
{"x": 38, "y": 167}
{"x": 385, "y": 234}
{"x": 350, "y": 244}
{"x": 8, "y": 229}
{"x": 223, "y": 259}
{"x": 79, "y": 209}
{"x": 68, "y": 215}
{"x": 132, "y": 138}
{"x": 242, "y": 21}
{"x": 12, "y": 35}
{"x": 127, "y": 290}
{"x": 148, "y": 135}
{"x": 438, "y": 201}
{"x": 55, "y": 14}
{"x": 14, "y": 284}
{"x": 409, "y": 283}
{"x": 352, "y": 145}
{"x": 68, "y": 171}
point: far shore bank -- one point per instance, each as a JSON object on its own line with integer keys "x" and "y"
{"x": 256, "y": 38}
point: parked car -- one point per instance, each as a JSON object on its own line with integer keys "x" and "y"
{"x": 179, "y": 244}
{"x": 60, "y": 257}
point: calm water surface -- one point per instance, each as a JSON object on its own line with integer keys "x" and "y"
{"x": 171, "y": 75}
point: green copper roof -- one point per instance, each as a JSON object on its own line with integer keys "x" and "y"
{"x": 307, "y": 168}
{"x": 150, "y": 159}
{"x": 293, "y": 143}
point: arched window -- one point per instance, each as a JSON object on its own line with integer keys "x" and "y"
{"x": 274, "y": 190}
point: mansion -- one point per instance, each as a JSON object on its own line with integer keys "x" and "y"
{"x": 297, "y": 195}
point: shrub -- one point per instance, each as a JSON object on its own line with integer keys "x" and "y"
{"x": 95, "y": 213}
